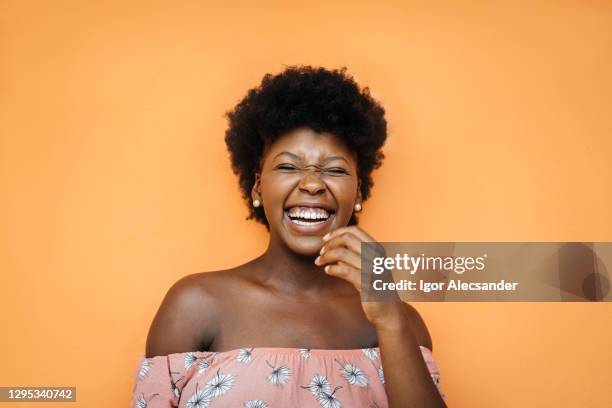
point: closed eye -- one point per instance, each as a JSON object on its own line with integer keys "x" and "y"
{"x": 336, "y": 170}
{"x": 286, "y": 167}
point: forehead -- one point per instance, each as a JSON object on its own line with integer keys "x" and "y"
{"x": 309, "y": 146}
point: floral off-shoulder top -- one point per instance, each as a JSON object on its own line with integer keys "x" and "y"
{"x": 266, "y": 378}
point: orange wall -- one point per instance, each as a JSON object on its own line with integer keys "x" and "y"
{"x": 115, "y": 179}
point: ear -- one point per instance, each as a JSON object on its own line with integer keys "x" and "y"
{"x": 256, "y": 190}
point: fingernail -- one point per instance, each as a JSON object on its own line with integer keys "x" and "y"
{"x": 326, "y": 269}
{"x": 322, "y": 250}
{"x": 317, "y": 260}
{"x": 326, "y": 237}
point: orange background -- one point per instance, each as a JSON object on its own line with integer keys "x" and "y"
{"x": 116, "y": 182}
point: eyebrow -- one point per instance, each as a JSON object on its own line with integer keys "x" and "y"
{"x": 326, "y": 160}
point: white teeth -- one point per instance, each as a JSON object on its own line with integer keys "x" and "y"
{"x": 298, "y": 222}
{"x": 308, "y": 214}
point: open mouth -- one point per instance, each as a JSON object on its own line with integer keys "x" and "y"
{"x": 308, "y": 216}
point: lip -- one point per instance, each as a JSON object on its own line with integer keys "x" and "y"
{"x": 326, "y": 207}
{"x": 316, "y": 229}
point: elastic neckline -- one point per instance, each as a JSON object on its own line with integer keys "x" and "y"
{"x": 284, "y": 350}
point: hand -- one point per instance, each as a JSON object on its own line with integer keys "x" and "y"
{"x": 341, "y": 254}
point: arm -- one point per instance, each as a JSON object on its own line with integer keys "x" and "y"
{"x": 399, "y": 327}
{"x": 185, "y": 320}
{"x": 399, "y": 348}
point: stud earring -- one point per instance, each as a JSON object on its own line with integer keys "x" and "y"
{"x": 256, "y": 203}
{"x": 357, "y": 207}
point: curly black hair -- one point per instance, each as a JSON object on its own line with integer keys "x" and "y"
{"x": 321, "y": 99}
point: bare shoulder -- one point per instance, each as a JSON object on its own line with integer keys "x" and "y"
{"x": 419, "y": 328}
{"x": 187, "y": 318}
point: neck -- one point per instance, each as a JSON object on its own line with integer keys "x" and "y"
{"x": 285, "y": 271}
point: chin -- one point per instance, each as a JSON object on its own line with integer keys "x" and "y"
{"x": 305, "y": 246}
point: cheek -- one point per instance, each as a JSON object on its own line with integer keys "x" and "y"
{"x": 274, "y": 192}
{"x": 345, "y": 192}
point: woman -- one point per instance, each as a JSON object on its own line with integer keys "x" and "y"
{"x": 289, "y": 329}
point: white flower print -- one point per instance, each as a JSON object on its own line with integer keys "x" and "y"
{"x": 329, "y": 400}
{"x": 279, "y": 375}
{"x": 255, "y": 404}
{"x": 199, "y": 399}
{"x": 318, "y": 385}
{"x": 219, "y": 384}
{"x": 190, "y": 359}
{"x": 203, "y": 364}
{"x": 370, "y": 353}
{"x": 381, "y": 375}
{"x": 353, "y": 375}
{"x": 305, "y": 352}
{"x": 142, "y": 402}
{"x": 244, "y": 355}
{"x": 144, "y": 368}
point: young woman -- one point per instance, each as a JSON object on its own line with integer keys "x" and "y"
{"x": 288, "y": 328}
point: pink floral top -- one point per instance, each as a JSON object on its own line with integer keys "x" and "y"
{"x": 265, "y": 378}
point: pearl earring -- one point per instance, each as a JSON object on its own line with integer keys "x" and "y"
{"x": 256, "y": 203}
{"x": 357, "y": 207}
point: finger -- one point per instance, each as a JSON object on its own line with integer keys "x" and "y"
{"x": 340, "y": 254}
{"x": 374, "y": 248}
{"x": 348, "y": 240}
{"x": 345, "y": 272}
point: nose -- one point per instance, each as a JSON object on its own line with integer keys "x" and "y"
{"x": 311, "y": 183}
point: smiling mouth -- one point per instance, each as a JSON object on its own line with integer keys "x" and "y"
{"x": 308, "y": 216}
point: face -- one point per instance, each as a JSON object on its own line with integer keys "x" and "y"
{"x": 301, "y": 203}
